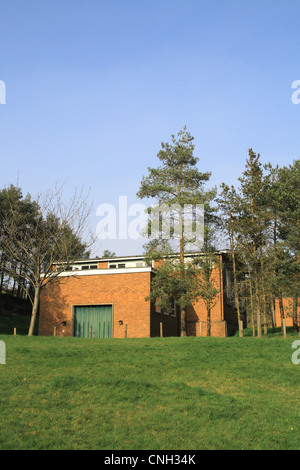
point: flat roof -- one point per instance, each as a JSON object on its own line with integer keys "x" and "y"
{"x": 139, "y": 257}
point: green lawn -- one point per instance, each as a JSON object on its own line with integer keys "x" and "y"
{"x": 149, "y": 394}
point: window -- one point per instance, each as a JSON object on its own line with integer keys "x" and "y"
{"x": 114, "y": 266}
{"x": 85, "y": 267}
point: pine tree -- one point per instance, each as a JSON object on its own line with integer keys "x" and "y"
{"x": 288, "y": 201}
{"x": 228, "y": 203}
{"x": 176, "y": 185}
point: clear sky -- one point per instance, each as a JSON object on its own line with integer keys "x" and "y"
{"x": 94, "y": 86}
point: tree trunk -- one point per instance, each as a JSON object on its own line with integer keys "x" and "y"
{"x": 208, "y": 321}
{"x": 1, "y": 271}
{"x": 183, "y": 322}
{"x": 251, "y": 301}
{"x": 265, "y": 314}
{"x": 1, "y": 281}
{"x": 236, "y": 297}
{"x": 181, "y": 246}
{"x": 273, "y": 306}
{"x": 13, "y": 288}
{"x": 258, "y": 306}
{"x": 295, "y": 312}
{"x": 281, "y": 309}
{"x": 264, "y": 306}
{"x": 35, "y": 310}
{"x": 258, "y": 319}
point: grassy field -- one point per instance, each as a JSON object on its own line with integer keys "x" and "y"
{"x": 149, "y": 394}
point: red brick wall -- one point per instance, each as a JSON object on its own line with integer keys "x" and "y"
{"x": 103, "y": 265}
{"x": 198, "y": 313}
{"x": 288, "y": 310}
{"x": 223, "y": 316}
{"x": 126, "y": 292}
{"x": 218, "y": 328}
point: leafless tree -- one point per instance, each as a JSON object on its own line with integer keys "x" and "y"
{"x": 41, "y": 238}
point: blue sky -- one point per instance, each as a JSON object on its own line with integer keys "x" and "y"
{"x": 93, "y": 87}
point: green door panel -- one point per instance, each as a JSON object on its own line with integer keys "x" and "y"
{"x": 97, "y": 317}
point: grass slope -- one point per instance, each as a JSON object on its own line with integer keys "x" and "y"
{"x": 156, "y": 394}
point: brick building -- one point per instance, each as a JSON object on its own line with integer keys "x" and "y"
{"x": 106, "y": 298}
{"x": 288, "y": 310}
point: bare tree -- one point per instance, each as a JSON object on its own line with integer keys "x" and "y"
{"x": 43, "y": 237}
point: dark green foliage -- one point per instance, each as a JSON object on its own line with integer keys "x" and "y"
{"x": 262, "y": 222}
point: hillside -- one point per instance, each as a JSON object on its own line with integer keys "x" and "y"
{"x": 14, "y": 313}
{"x": 155, "y": 394}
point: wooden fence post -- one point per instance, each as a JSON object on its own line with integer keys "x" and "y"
{"x": 284, "y": 328}
{"x": 54, "y": 331}
{"x": 125, "y": 330}
{"x": 241, "y": 329}
{"x": 161, "y": 329}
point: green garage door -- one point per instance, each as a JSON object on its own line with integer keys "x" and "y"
{"x": 95, "y": 318}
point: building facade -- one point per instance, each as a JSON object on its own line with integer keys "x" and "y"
{"x": 108, "y": 298}
{"x": 287, "y": 312}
